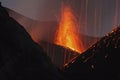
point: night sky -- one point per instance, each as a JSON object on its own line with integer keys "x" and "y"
{"x": 98, "y": 16}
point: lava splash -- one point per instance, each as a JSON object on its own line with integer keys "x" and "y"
{"x": 66, "y": 33}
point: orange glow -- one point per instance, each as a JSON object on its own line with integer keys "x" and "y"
{"x": 66, "y": 34}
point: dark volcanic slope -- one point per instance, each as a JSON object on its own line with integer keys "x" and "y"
{"x": 99, "y": 62}
{"x": 20, "y": 57}
{"x": 58, "y": 54}
{"x": 61, "y": 55}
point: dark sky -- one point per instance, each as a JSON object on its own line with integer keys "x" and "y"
{"x": 99, "y": 16}
{"x": 96, "y": 17}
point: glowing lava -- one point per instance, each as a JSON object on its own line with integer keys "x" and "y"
{"x": 66, "y": 34}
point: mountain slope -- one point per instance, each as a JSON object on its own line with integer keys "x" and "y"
{"x": 100, "y": 62}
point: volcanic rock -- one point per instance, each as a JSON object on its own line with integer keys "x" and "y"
{"x": 62, "y": 55}
{"x": 20, "y": 57}
{"x": 59, "y": 55}
{"x": 100, "y": 62}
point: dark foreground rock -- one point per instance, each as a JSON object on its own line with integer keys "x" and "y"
{"x": 100, "y": 62}
{"x": 20, "y": 57}
{"x": 58, "y": 54}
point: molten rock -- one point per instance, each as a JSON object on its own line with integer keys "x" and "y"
{"x": 100, "y": 62}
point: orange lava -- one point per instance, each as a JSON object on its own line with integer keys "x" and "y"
{"x": 66, "y": 34}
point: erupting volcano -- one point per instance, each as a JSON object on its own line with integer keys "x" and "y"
{"x": 67, "y": 32}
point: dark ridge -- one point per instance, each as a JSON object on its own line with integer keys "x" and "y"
{"x": 20, "y": 57}
{"x": 58, "y": 54}
{"x": 100, "y": 62}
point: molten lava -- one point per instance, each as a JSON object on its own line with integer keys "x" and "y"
{"x": 67, "y": 34}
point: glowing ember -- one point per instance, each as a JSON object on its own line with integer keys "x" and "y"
{"x": 66, "y": 35}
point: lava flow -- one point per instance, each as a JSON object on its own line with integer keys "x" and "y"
{"x": 66, "y": 33}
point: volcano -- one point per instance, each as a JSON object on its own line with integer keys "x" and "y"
{"x": 61, "y": 55}
{"x": 99, "y": 62}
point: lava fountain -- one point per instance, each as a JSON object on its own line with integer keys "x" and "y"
{"x": 66, "y": 34}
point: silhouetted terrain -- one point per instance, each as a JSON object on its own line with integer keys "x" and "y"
{"x": 58, "y": 54}
{"x": 99, "y": 62}
{"x": 20, "y": 57}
